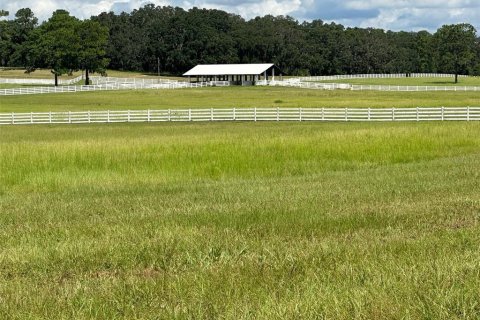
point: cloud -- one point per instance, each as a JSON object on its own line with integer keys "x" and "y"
{"x": 387, "y": 14}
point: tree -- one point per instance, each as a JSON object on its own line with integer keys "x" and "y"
{"x": 59, "y": 45}
{"x": 456, "y": 47}
{"x": 93, "y": 41}
{"x": 22, "y": 27}
{"x": 5, "y": 38}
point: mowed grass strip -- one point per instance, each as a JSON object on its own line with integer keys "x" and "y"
{"x": 240, "y": 221}
{"x": 229, "y": 97}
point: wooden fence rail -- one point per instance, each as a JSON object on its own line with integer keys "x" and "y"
{"x": 246, "y": 114}
{"x": 112, "y": 86}
{"x": 40, "y": 81}
{"x": 380, "y": 76}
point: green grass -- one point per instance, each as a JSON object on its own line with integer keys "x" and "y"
{"x": 232, "y": 97}
{"x": 37, "y": 74}
{"x": 468, "y": 81}
{"x": 46, "y": 74}
{"x": 240, "y": 221}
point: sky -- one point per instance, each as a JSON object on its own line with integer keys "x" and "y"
{"x": 407, "y": 15}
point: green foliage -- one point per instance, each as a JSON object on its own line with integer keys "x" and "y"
{"x": 93, "y": 40}
{"x": 5, "y": 38}
{"x": 59, "y": 43}
{"x": 23, "y": 27}
{"x": 173, "y": 40}
{"x": 240, "y": 221}
{"x": 457, "y": 45}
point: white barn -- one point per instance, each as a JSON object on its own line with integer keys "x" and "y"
{"x": 240, "y": 74}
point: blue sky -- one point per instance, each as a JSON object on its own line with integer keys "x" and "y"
{"x": 408, "y": 15}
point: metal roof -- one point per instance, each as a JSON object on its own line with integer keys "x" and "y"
{"x": 228, "y": 69}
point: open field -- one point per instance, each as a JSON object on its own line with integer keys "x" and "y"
{"x": 37, "y": 74}
{"x": 46, "y": 74}
{"x": 240, "y": 221}
{"x": 232, "y": 97}
{"x": 469, "y": 81}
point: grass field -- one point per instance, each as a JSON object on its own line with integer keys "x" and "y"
{"x": 233, "y": 97}
{"x": 468, "y": 81}
{"x": 46, "y": 74}
{"x": 37, "y": 74}
{"x": 240, "y": 221}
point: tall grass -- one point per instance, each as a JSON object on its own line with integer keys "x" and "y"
{"x": 240, "y": 221}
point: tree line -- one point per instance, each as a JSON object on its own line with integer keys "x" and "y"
{"x": 172, "y": 40}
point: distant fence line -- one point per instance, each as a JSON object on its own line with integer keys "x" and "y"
{"x": 41, "y": 81}
{"x": 143, "y": 81}
{"x": 110, "y": 86}
{"x": 355, "y": 87}
{"x": 113, "y": 83}
{"x": 246, "y": 114}
{"x": 379, "y": 76}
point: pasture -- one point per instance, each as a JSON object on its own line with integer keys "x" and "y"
{"x": 46, "y": 74}
{"x": 240, "y": 221}
{"x": 229, "y": 97}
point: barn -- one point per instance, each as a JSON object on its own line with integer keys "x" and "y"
{"x": 236, "y": 74}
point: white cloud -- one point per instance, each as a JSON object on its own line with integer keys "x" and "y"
{"x": 257, "y": 8}
{"x": 387, "y": 14}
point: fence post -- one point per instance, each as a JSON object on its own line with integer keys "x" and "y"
{"x": 417, "y": 115}
{"x": 323, "y": 113}
{"x": 468, "y": 113}
{"x": 443, "y": 113}
{"x": 278, "y": 114}
{"x": 255, "y": 114}
{"x": 31, "y": 117}
{"x": 148, "y": 115}
{"x": 393, "y": 113}
{"x": 108, "y": 116}
{"x": 128, "y": 115}
{"x": 346, "y": 114}
{"x": 89, "y": 117}
{"x": 50, "y": 117}
{"x": 189, "y": 114}
{"x": 300, "y": 111}
{"x": 169, "y": 115}
{"x": 13, "y": 117}
{"x": 211, "y": 114}
{"x": 234, "y": 114}
{"x": 369, "y": 116}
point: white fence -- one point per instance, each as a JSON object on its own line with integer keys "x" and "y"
{"x": 346, "y": 86}
{"x": 247, "y": 114}
{"x": 378, "y": 76}
{"x": 112, "y": 83}
{"x": 41, "y": 81}
{"x": 112, "y": 86}
{"x": 143, "y": 81}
